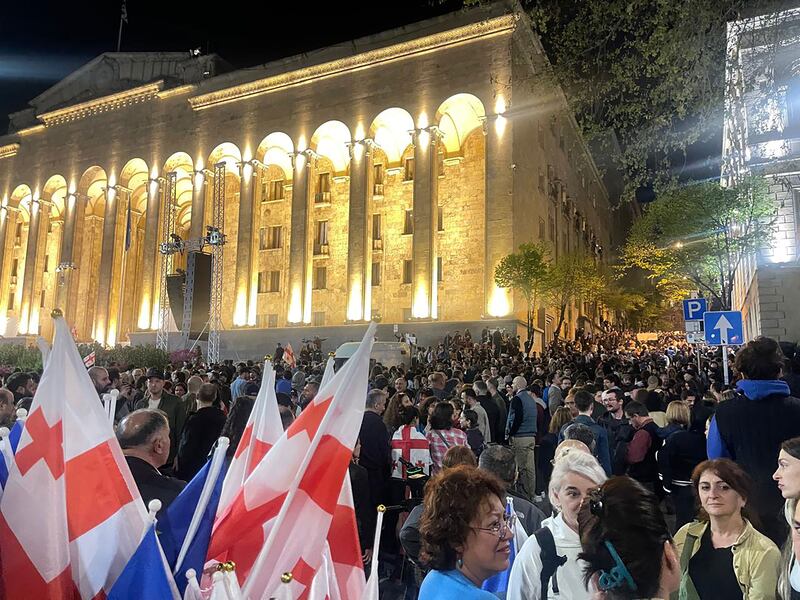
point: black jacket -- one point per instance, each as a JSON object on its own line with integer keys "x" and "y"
{"x": 376, "y": 456}
{"x": 682, "y": 452}
{"x": 152, "y": 484}
{"x": 201, "y": 431}
{"x": 496, "y": 426}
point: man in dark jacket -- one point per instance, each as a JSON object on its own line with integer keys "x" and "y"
{"x": 642, "y": 449}
{"x": 496, "y": 426}
{"x": 201, "y": 431}
{"x": 172, "y": 406}
{"x": 376, "y": 450}
{"x": 584, "y": 402}
{"x": 145, "y": 440}
{"x": 751, "y": 427}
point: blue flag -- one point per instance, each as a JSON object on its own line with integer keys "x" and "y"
{"x": 12, "y": 442}
{"x": 175, "y": 525}
{"x": 498, "y": 584}
{"x": 145, "y": 575}
{"x": 16, "y": 434}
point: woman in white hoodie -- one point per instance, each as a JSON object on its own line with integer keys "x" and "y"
{"x": 574, "y": 474}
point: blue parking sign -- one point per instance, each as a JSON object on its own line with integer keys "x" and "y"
{"x": 693, "y": 309}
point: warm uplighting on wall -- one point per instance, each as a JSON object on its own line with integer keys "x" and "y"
{"x": 421, "y": 308}
{"x": 240, "y": 310}
{"x": 500, "y": 120}
{"x": 144, "y": 312}
{"x": 499, "y": 305}
{"x": 354, "y": 308}
{"x": 295, "y": 306}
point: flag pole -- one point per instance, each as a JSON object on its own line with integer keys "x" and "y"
{"x": 119, "y": 37}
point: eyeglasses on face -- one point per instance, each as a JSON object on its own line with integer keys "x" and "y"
{"x": 501, "y": 527}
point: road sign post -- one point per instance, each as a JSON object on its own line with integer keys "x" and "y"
{"x": 694, "y": 309}
{"x": 724, "y": 328}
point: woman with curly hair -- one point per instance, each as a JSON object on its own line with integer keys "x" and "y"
{"x": 466, "y": 534}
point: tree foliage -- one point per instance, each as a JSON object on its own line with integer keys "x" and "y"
{"x": 572, "y": 278}
{"x": 695, "y": 237}
{"x": 525, "y": 271}
{"x": 645, "y": 78}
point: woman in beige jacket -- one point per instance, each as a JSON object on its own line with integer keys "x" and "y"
{"x": 721, "y": 554}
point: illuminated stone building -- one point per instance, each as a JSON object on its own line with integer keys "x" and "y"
{"x": 380, "y": 179}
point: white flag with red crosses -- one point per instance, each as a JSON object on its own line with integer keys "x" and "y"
{"x": 281, "y": 518}
{"x": 71, "y": 516}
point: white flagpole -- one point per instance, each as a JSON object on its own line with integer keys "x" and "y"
{"x": 329, "y": 372}
{"x": 371, "y": 591}
{"x": 192, "y": 588}
{"x": 217, "y": 460}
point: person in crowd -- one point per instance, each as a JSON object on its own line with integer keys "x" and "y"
{"x": 180, "y": 390}
{"x": 158, "y": 398}
{"x": 584, "y": 403}
{"x": 437, "y": 382}
{"x": 22, "y": 385}
{"x": 496, "y": 417}
{"x": 643, "y": 447}
{"x": 7, "y": 408}
{"x": 787, "y": 477}
{"x": 628, "y": 553}
{"x": 236, "y": 422}
{"x": 466, "y": 534}
{"x": 310, "y": 390}
{"x": 190, "y": 398}
{"x": 617, "y": 427}
{"x": 554, "y": 395}
{"x": 470, "y": 400}
{"x": 362, "y": 505}
{"x": 499, "y": 461}
{"x": 145, "y": 440}
{"x": 547, "y": 445}
{"x": 494, "y": 393}
{"x": 376, "y": 452}
{"x": 751, "y": 427}
{"x": 681, "y": 453}
{"x": 677, "y": 419}
{"x": 442, "y": 434}
{"x": 521, "y": 431}
{"x": 532, "y": 577}
{"x": 407, "y": 442}
{"x": 722, "y": 555}
{"x": 100, "y": 380}
{"x": 200, "y": 433}
{"x": 470, "y": 425}
{"x": 240, "y": 383}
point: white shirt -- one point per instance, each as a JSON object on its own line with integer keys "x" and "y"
{"x": 525, "y": 582}
{"x": 152, "y": 404}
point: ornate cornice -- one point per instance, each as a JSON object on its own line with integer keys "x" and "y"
{"x": 490, "y": 27}
{"x": 8, "y": 150}
{"x": 135, "y": 95}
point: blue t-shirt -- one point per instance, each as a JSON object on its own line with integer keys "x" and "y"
{"x": 447, "y": 585}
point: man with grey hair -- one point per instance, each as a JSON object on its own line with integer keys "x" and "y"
{"x": 499, "y": 461}
{"x": 376, "y": 449}
{"x": 521, "y": 428}
{"x": 145, "y": 441}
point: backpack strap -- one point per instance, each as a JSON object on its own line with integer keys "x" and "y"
{"x": 550, "y": 560}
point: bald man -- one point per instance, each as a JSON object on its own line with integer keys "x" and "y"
{"x": 100, "y": 379}
{"x": 7, "y": 408}
{"x": 145, "y": 441}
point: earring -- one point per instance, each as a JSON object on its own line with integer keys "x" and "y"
{"x": 459, "y": 563}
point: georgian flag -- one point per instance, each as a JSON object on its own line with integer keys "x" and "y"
{"x": 71, "y": 516}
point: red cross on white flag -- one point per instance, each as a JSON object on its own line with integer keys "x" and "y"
{"x": 71, "y": 515}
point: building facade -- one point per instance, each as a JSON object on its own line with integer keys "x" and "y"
{"x": 762, "y": 136}
{"x": 382, "y": 180}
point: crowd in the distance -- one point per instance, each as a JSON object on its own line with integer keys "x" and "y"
{"x": 621, "y": 469}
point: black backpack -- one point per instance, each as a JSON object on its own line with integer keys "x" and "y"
{"x": 550, "y": 560}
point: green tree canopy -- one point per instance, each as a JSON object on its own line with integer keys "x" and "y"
{"x": 525, "y": 271}
{"x": 572, "y": 278}
{"x": 695, "y": 237}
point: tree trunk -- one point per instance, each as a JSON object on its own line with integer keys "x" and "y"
{"x": 557, "y": 332}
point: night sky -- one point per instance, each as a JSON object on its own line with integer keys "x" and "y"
{"x": 42, "y": 42}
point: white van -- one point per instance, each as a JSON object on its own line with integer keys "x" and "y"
{"x": 389, "y": 354}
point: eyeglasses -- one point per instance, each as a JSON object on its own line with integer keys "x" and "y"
{"x": 501, "y": 527}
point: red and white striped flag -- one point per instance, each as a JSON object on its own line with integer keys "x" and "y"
{"x": 280, "y": 520}
{"x": 89, "y": 359}
{"x": 288, "y": 356}
{"x": 262, "y": 432}
{"x": 71, "y": 516}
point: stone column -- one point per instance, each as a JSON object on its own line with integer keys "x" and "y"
{"x": 149, "y": 254}
{"x": 73, "y": 274}
{"x": 299, "y": 256}
{"x": 101, "y": 313}
{"x": 197, "y": 227}
{"x": 8, "y": 219}
{"x": 498, "y": 212}
{"x": 244, "y": 242}
{"x": 359, "y": 243}
{"x": 42, "y": 226}
{"x": 426, "y": 192}
{"x": 30, "y": 266}
{"x": 66, "y": 265}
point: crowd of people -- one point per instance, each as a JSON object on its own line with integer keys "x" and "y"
{"x": 603, "y": 467}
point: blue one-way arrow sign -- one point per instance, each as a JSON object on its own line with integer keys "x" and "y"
{"x": 723, "y": 328}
